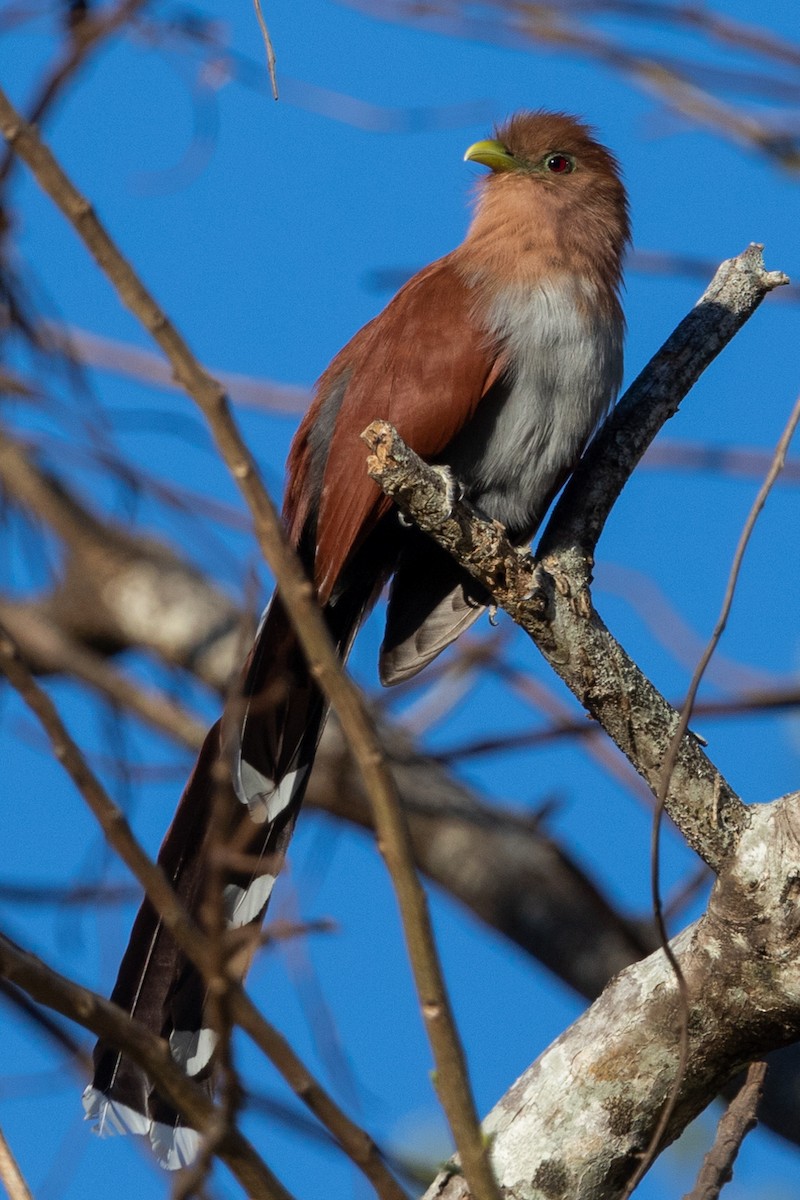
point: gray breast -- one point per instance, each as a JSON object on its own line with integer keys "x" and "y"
{"x": 565, "y": 369}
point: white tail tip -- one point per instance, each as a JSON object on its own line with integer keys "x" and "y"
{"x": 174, "y": 1146}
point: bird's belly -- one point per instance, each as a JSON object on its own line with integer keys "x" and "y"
{"x": 564, "y": 371}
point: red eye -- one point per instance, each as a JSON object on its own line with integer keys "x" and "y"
{"x": 559, "y": 164}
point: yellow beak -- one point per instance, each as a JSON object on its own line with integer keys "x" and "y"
{"x": 491, "y": 154}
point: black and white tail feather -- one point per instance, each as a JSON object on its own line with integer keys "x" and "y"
{"x": 269, "y": 735}
{"x": 271, "y": 748}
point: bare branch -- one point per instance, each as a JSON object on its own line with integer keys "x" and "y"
{"x": 11, "y": 1175}
{"x": 90, "y": 34}
{"x": 748, "y": 703}
{"x": 737, "y": 1121}
{"x": 262, "y": 24}
{"x": 731, "y": 298}
{"x": 556, "y": 611}
{"x": 677, "y": 82}
{"x": 744, "y": 462}
{"x": 107, "y": 354}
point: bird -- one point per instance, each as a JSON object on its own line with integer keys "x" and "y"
{"x": 496, "y": 363}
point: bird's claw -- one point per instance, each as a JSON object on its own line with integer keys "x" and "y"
{"x": 453, "y": 489}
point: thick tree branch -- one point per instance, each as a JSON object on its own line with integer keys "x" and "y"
{"x": 572, "y": 1127}
{"x": 557, "y": 613}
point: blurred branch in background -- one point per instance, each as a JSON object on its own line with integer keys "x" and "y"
{"x": 689, "y": 86}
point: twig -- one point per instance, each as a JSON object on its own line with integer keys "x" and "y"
{"x": 737, "y": 1121}
{"x": 673, "y": 80}
{"x": 747, "y": 704}
{"x": 46, "y": 1025}
{"x": 93, "y": 29}
{"x": 311, "y": 97}
{"x": 100, "y": 895}
{"x": 269, "y": 47}
{"x": 452, "y": 1080}
{"x": 11, "y": 1175}
{"x": 737, "y": 462}
{"x": 120, "y": 358}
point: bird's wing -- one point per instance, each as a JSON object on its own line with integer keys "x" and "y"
{"x": 432, "y": 601}
{"x": 423, "y": 365}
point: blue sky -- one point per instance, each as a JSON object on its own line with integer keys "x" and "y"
{"x": 262, "y": 241}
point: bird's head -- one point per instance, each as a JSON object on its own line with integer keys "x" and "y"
{"x": 545, "y": 146}
{"x": 553, "y": 181}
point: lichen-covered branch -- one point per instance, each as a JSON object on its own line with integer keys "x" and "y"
{"x": 572, "y": 1127}
{"x": 555, "y": 609}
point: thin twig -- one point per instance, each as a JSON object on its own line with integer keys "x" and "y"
{"x": 746, "y": 704}
{"x": 675, "y": 81}
{"x": 737, "y": 1121}
{"x": 93, "y": 29}
{"x": 11, "y": 1175}
{"x": 100, "y": 895}
{"x": 269, "y": 47}
{"x": 45, "y": 1024}
{"x": 452, "y": 1080}
{"x": 121, "y": 358}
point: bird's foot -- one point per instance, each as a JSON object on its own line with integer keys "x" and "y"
{"x": 453, "y": 489}
{"x": 453, "y": 492}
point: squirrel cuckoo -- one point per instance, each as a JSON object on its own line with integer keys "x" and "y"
{"x": 497, "y": 362}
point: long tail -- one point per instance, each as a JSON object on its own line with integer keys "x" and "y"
{"x": 270, "y": 733}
